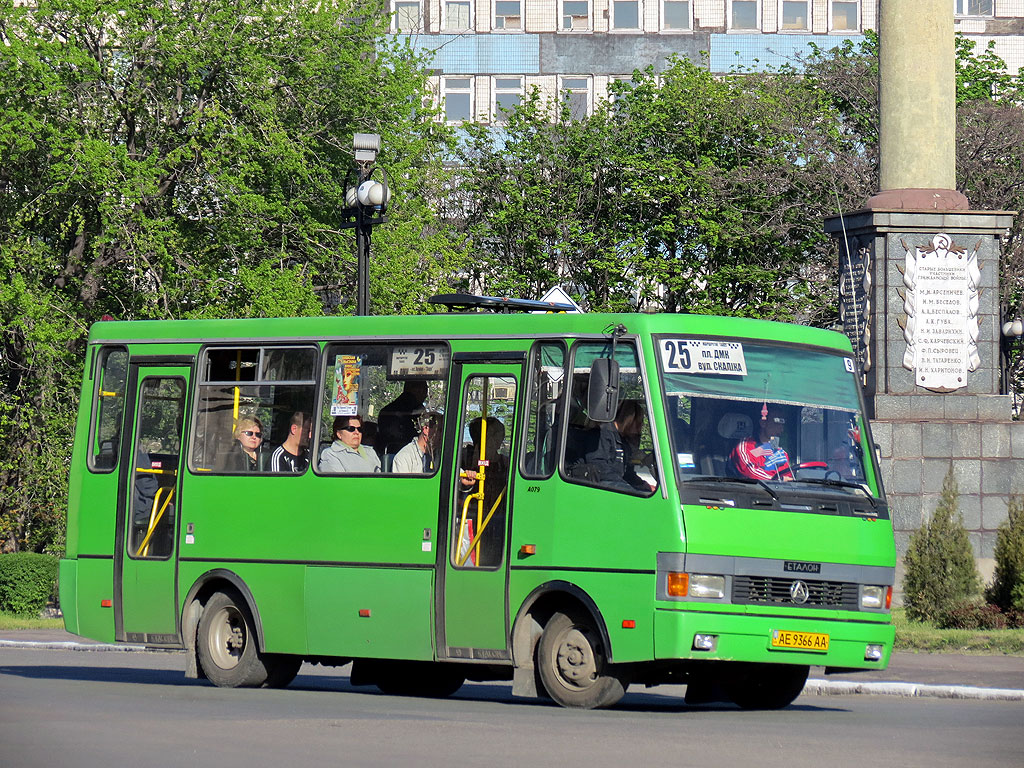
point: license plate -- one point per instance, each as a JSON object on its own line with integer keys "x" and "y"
{"x": 801, "y": 641}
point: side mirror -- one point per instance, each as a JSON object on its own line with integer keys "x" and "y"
{"x": 603, "y": 390}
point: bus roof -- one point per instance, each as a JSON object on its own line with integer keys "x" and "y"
{"x": 458, "y": 325}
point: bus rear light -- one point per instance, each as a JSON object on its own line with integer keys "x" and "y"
{"x": 678, "y": 584}
{"x": 628, "y": 624}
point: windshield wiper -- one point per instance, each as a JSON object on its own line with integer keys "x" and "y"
{"x": 747, "y": 480}
{"x": 862, "y": 487}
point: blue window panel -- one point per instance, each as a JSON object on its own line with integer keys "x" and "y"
{"x": 763, "y": 52}
{"x": 479, "y": 54}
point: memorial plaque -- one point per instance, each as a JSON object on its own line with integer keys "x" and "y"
{"x": 941, "y": 303}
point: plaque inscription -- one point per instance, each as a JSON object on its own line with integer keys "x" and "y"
{"x": 941, "y": 302}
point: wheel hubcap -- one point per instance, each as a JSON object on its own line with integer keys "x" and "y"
{"x": 227, "y": 640}
{"x": 575, "y": 660}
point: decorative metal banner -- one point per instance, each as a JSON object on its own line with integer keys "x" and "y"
{"x": 941, "y": 302}
{"x": 855, "y": 302}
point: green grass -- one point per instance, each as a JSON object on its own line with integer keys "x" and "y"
{"x": 7, "y": 622}
{"x": 925, "y": 638}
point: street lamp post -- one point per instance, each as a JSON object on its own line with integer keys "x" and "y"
{"x": 367, "y": 202}
{"x": 1013, "y": 344}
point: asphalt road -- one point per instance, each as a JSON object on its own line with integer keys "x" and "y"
{"x": 68, "y": 708}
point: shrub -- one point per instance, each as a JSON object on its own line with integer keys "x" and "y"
{"x": 26, "y": 582}
{"x": 940, "y": 570}
{"x": 1007, "y": 590}
{"x": 973, "y": 616}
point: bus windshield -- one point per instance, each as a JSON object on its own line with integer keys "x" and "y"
{"x": 761, "y": 412}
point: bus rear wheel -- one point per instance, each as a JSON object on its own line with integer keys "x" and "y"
{"x": 573, "y": 667}
{"x": 227, "y": 648}
{"x": 768, "y": 686}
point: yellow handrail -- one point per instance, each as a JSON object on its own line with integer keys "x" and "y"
{"x": 143, "y": 549}
{"x": 476, "y": 539}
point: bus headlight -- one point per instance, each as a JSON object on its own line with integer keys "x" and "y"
{"x": 707, "y": 586}
{"x": 875, "y": 597}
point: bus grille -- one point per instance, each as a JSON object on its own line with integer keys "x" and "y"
{"x": 752, "y": 590}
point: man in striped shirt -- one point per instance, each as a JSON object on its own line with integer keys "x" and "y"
{"x": 293, "y": 454}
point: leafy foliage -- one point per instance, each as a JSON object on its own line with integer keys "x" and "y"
{"x": 27, "y": 582}
{"x": 164, "y": 160}
{"x": 940, "y": 570}
{"x": 1007, "y": 588}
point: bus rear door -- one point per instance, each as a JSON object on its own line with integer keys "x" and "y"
{"x": 473, "y": 600}
{"x": 148, "y": 505}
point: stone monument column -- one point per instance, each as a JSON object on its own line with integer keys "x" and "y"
{"x": 919, "y": 295}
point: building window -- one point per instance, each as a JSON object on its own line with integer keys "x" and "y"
{"x": 743, "y": 15}
{"x": 408, "y": 17}
{"x": 626, "y": 14}
{"x": 508, "y": 14}
{"x": 675, "y": 15}
{"x": 844, "y": 16}
{"x": 576, "y": 95}
{"x": 457, "y": 16}
{"x": 973, "y": 7}
{"x": 575, "y": 15}
{"x": 458, "y": 99}
{"x": 508, "y": 94}
{"x": 794, "y": 14}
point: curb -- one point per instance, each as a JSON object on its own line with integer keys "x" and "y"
{"x": 73, "y": 646}
{"x": 814, "y": 687}
{"x": 912, "y": 690}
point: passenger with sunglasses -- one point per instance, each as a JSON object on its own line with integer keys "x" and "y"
{"x": 347, "y": 453}
{"x": 245, "y": 454}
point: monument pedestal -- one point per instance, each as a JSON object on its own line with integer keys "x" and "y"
{"x": 919, "y": 295}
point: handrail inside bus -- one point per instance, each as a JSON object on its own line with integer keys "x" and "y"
{"x": 154, "y": 519}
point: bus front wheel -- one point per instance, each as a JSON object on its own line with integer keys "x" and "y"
{"x": 768, "y": 686}
{"x": 573, "y": 667}
{"x": 227, "y": 648}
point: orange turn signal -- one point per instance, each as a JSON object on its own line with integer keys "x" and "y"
{"x": 678, "y": 584}
{"x": 528, "y": 549}
{"x": 888, "y": 598}
{"x": 364, "y": 613}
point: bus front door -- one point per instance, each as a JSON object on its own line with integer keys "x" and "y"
{"x": 474, "y": 600}
{"x": 148, "y": 507}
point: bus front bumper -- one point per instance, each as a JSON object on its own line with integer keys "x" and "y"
{"x": 690, "y": 634}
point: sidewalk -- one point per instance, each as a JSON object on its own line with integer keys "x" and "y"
{"x": 909, "y": 674}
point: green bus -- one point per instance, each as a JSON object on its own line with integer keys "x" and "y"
{"x": 573, "y": 502}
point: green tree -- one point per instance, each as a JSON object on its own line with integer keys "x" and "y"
{"x": 162, "y": 160}
{"x": 683, "y": 191}
{"x": 940, "y": 569}
{"x": 1007, "y": 589}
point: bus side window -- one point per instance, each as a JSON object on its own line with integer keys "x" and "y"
{"x": 108, "y": 409}
{"x": 619, "y": 454}
{"x": 544, "y": 410}
{"x": 397, "y": 391}
{"x": 250, "y": 398}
